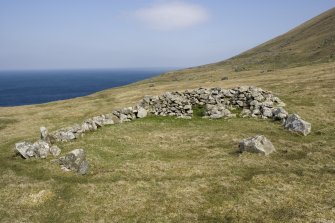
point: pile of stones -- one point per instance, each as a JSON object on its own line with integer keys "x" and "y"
{"x": 77, "y": 130}
{"x": 218, "y": 103}
{"x": 38, "y": 149}
{"x": 168, "y": 104}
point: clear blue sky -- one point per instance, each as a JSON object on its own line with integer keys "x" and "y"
{"x": 70, "y": 34}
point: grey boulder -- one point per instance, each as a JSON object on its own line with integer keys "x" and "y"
{"x": 55, "y": 150}
{"x": 257, "y": 144}
{"x": 141, "y": 112}
{"x": 296, "y": 124}
{"x": 25, "y": 149}
{"x": 75, "y": 161}
{"x": 267, "y": 112}
{"x": 280, "y": 113}
{"x": 44, "y": 133}
{"x": 41, "y": 149}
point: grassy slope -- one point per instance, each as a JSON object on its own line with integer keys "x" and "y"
{"x": 312, "y": 42}
{"x": 169, "y": 170}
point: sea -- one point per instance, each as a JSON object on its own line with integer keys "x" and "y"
{"x": 36, "y": 87}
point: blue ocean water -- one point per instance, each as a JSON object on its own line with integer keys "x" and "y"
{"x": 34, "y": 87}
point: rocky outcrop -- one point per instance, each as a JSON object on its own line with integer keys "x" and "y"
{"x": 75, "y": 161}
{"x": 296, "y": 124}
{"x": 257, "y": 144}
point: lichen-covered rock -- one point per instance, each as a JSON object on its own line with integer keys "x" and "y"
{"x": 75, "y": 161}
{"x": 267, "y": 112}
{"x": 280, "y": 114}
{"x": 83, "y": 167}
{"x": 216, "y": 111}
{"x": 125, "y": 114}
{"x": 141, "y": 112}
{"x": 296, "y": 124}
{"x": 245, "y": 113}
{"x": 41, "y": 149}
{"x": 44, "y": 133}
{"x": 55, "y": 150}
{"x": 25, "y": 149}
{"x": 89, "y": 125}
{"x": 257, "y": 144}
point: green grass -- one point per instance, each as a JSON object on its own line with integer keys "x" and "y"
{"x": 168, "y": 169}
{"x": 4, "y": 122}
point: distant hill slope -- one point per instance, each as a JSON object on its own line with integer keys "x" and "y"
{"x": 311, "y": 42}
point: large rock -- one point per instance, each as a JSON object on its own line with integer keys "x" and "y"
{"x": 280, "y": 114}
{"x": 141, "y": 112}
{"x": 296, "y": 124}
{"x": 267, "y": 112}
{"x": 41, "y": 149}
{"x": 257, "y": 144}
{"x": 25, "y": 149}
{"x": 75, "y": 161}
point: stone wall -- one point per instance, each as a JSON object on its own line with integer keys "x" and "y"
{"x": 218, "y": 103}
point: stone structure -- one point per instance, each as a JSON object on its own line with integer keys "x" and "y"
{"x": 218, "y": 103}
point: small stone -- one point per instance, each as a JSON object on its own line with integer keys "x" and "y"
{"x": 55, "y": 150}
{"x": 83, "y": 167}
{"x": 279, "y": 113}
{"x": 245, "y": 113}
{"x": 296, "y": 124}
{"x": 44, "y": 133}
{"x": 257, "y": 144}
{"x": 188, "y": 107}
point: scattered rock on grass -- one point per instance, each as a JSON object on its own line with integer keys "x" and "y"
{"x": 296, "y": 124}
{"x": 75, "y": 161}
{"x": 55, "y": 150}
{"x": 25, "y": 149}
{"x": 41, "y": 149}
{"x": 257, "y": 144}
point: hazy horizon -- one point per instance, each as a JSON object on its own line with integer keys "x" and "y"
{"x": 63, "y": 35}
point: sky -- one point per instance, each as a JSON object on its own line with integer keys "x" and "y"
{"x": 92, "y": 34}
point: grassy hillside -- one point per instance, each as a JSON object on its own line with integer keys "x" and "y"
{"x": 170, "y": 170}
{"x": 311, "y": 42}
